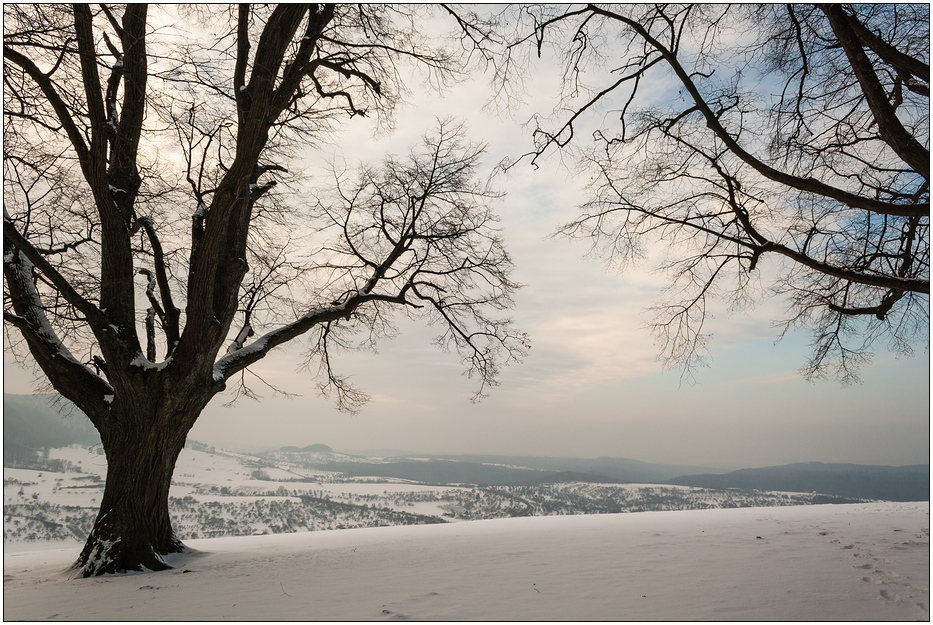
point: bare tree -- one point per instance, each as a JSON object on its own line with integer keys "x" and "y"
{"x": 158, "y": 239}
{"x": 734, "y": 134}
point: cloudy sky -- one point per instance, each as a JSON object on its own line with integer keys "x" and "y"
{"x": 591, "y": 384}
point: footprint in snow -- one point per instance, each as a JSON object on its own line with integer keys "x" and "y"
{"x": 890, "y": 596}
{"x": 394, "y": 616}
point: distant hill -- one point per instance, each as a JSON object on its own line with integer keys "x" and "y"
{"x": 32, "y": 422}
{"x": 491, "y": 470}
{"x": 612, "y": 469}
{"x": 311, "y": 449}
{"x": 439, "y": 472}
{"x": 907, "y": 483}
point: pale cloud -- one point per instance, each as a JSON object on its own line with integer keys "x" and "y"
{"x": 780, "y": 377}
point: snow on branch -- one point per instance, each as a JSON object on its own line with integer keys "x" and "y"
{"x": 94, "y": 315}
{"x": 79, "y": 384}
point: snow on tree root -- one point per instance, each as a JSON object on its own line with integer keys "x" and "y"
{"x": 103, "y": 561}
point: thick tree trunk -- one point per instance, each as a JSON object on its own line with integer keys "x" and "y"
{"x": 133, "y": 530}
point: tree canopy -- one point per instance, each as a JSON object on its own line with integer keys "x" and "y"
{"x": 756, "y": 150}
{"x": 161, "y": 233}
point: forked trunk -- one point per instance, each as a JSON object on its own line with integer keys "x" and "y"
{"x": 133, "y": 530}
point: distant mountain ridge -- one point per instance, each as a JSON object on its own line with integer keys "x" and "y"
{"x": 611, "y": 469}
{"x": 32, "y": 422}
{"x": 311, "y": 449}
{"x": 891, "y": 483}
{"x": 437, "y": 472}
{"x": 850, "y": 481}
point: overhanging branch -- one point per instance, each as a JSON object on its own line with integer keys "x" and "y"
{"x": 895, "y": 135}
{"x": 257, "y": 350}
{"x": 810, "y": 185}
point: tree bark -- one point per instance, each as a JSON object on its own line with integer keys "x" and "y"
{"x": 133, "y": 530}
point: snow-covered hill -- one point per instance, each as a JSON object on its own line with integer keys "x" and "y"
{"x": 822, "y": 562}
{"x": 219, "y": 493}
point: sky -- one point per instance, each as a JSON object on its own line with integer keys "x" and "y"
{"x": 591, "y": 384}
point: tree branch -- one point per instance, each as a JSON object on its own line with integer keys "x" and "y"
{"x": 72, "y": 379}
{"x": 888, "y": 53}
{"x": 895, "y": 135}
{"x": 255, "y": 351}
{"x": 170, "y": 318}
{"x": 123, "y": 167}
{"x": 242, "y": 58}
{"x": 810, "y": 185}
{"x": 62, "y": 112}
{"x": 298, "y": 67}
{"x": 95, "y": 316}
{"x": 92, "y": 92}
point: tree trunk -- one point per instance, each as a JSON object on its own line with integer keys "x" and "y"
{"x": 133, "y": 530}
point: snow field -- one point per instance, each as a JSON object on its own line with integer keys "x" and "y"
{"x": 821, "y": 562}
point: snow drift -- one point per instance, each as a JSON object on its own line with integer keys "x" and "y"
{"x": 823, "y": 562}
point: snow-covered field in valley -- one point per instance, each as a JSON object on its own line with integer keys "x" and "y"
{"x": 867, "y": 561}
{"x": 218, "y": 493}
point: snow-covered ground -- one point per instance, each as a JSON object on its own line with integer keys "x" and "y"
{"x": 824, "y": 562}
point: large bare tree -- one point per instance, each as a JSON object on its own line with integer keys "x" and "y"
{"x": 776, "y": 145}
{"x": 158, "y": 232}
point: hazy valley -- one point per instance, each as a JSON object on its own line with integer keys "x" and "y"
{"x": 52, "y": 490}
{"x": 222, "y": 493}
